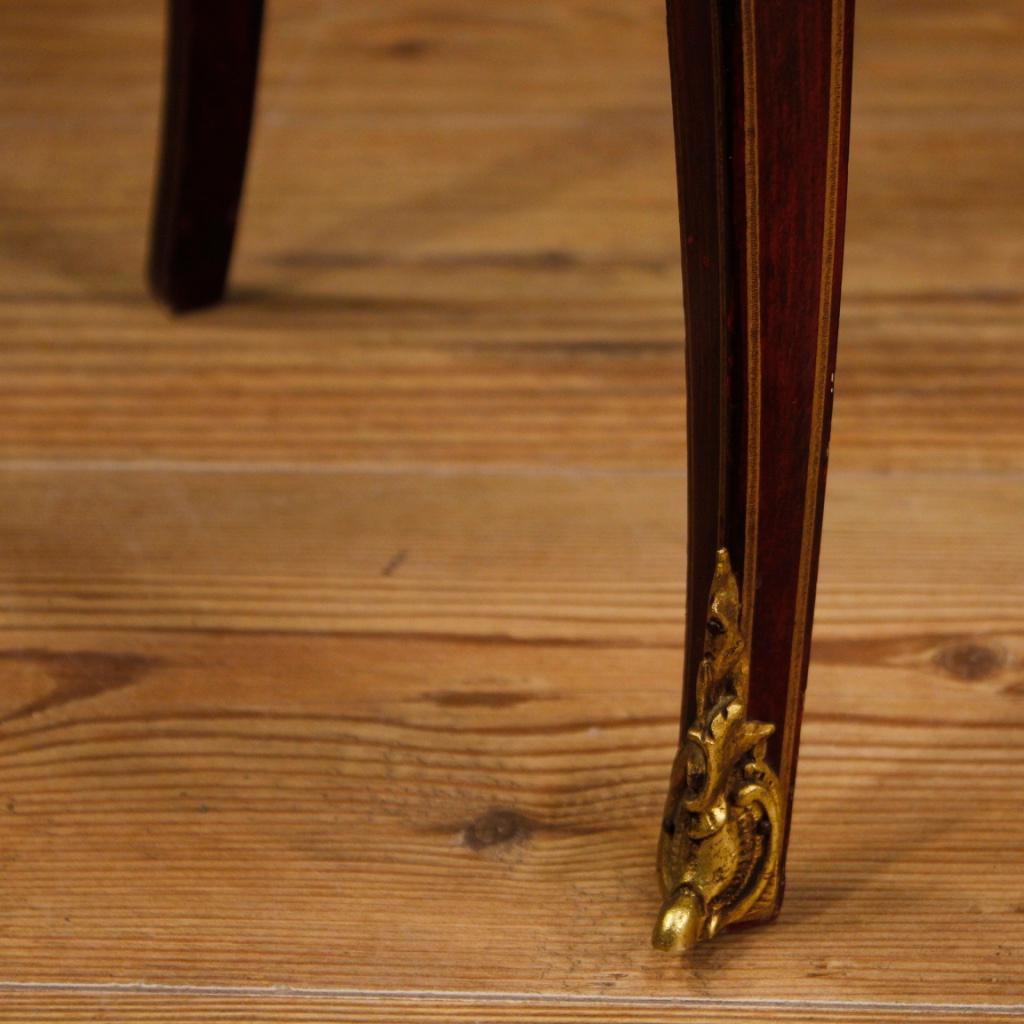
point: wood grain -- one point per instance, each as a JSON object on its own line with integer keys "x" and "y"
{"x": 428, "y": 814}
{"x": 587, "y": 558}
{"x": 341, "y": 630}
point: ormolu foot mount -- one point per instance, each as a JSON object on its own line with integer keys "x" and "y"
{"x": 718, "y": 856}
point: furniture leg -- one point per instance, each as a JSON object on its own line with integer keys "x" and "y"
{"x": 210, "y": 84}
{"x": 761, "y": 100}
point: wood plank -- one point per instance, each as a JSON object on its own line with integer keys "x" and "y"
{"x": 529, "y": 555}
{"x": 479, "y": 383}
{"x": 514, "y": 556}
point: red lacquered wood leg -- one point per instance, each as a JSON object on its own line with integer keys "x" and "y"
{"x": 212, "y": 59}
{"x": 761, "y": 97}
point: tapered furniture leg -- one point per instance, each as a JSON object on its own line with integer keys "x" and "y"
{"x": 212, "y": 59}
{"x": 761, "y": 98}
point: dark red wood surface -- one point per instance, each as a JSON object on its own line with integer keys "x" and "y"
{"x": 761, "y": 101}
{"x": 211, "y": 71}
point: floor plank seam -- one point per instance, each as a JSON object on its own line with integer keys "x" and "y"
{"x": 438, "y": 469}
{"x": 444, "y": 469}
{"x": 536, "y": 998}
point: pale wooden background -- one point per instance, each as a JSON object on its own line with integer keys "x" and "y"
{"x": 342, "y": 626}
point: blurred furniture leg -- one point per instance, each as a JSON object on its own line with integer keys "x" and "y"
{"x": 210, "y": 84}
{"x": 761, "y": 98}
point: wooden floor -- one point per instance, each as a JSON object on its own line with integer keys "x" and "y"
{"x": 341, "y": 627}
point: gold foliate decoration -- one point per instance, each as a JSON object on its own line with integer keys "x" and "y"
{"x": 718, "y": 855}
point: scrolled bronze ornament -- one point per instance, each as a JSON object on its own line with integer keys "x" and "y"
{"x": 721, "y": 838}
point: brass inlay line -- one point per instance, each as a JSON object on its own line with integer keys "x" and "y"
{"x": 800, "y": 623}
{"x": 748, "y": 22}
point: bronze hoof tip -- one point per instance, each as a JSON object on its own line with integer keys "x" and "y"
{"x": 680, "y": 923}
